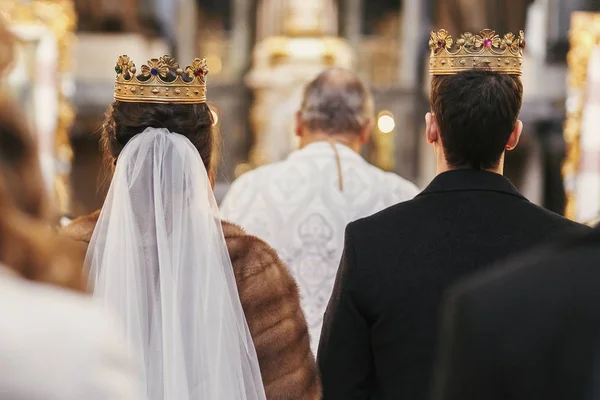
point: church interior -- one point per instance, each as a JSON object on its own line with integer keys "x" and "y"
{"x": 261, "y": 53}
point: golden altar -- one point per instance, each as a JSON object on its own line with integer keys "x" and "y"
{"x": 40, "y": 79}
{"x": 582, "y": 166}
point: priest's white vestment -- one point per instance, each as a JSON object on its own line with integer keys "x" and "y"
{"x": 301, "y": 207}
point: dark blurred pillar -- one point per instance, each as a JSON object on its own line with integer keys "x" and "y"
{"x": 242, "y": 35}
{"x": 350, "y": 18}
{"x": 458, "y": 16}
{"x": 554, "y": 151}
{"x": 560, "y": 23}
{"x": 415, "y": 28}
{"x": 184, "y": 24}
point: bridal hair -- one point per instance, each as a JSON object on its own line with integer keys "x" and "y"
{"x": 160, "y": 95}
{"x": 194, "y": 121}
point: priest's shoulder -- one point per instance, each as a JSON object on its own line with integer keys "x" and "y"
{"x": 258, "y": 175}
{"x": 398, "y": 183}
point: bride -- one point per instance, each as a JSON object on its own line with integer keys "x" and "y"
{"x": 210, "y": 312}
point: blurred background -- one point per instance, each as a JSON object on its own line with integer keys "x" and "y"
{"x": 260, "y": 54}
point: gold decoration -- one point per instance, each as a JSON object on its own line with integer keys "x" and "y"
{"x": 60, "y": 17}
{"x": 170, "y": 62}
{"x": 440, "y": 40}
{"x": 584, "y": 36}
{"x": 199, "y": 69}
{"x": 485, "y": 49}
{"x": 157, "y": 65}
{"x": 487, "y": 35}
{"x": 7, "y": 49}
{"x": 124, "y": 64}
{"x": 161, "y": 81}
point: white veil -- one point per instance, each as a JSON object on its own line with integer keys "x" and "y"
{"x": 158, "y": 258}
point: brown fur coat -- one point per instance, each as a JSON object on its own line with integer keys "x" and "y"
{"x": 271, "y": 303}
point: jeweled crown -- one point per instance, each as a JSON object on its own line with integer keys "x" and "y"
{"x": 161, "y": 80}
{"x": 486, "y": 49}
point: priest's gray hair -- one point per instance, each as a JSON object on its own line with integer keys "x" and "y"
{"x": 337, "y": 101}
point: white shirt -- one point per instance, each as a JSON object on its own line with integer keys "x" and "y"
{"x": 56, "y": 345}
{"x": 297, "y": 207}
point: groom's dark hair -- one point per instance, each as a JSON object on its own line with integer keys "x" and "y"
{"x": 476, "y": 112}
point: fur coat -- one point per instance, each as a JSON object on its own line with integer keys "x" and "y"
{"x": 271, "y": 303}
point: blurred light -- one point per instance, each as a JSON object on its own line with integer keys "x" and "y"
{"x": 306, "y": 48}
{"x": 386, "y": 122}
{"x": 215, "y": 117}
{"x": 68, "y": 88}
{"x": 214, "y": 64}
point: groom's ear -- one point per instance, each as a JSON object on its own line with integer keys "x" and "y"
{"x": 431, "y": 128}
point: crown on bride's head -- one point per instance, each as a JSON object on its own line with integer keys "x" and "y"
{"x": 161, "y": 80}
{"x": 486, "y": 49}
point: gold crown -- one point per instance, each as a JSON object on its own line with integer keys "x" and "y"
{"x": 161, "y": 80}
{"x": 484, "y": 50}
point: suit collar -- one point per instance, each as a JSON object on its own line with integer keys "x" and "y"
{"x": 466, "y": 180}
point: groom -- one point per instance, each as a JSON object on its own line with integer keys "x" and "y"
{"x": 379, "y": 333}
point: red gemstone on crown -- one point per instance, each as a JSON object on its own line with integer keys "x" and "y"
{"x": 523, "y": 44}
{"x": 441, "y": 44}
{"x": 487, "y": 42}
{"x": 199, "y": 72}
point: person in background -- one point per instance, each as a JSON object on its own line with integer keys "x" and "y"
{"x": 301, "y": 205}
{"x": 54, "y": 344}
{"x": 210, "y": 312}
{"x": 19, "y": 162}
{"x": 20, "y": 171}
{"x": 528, "y": 329}
{"x": 380, "y": 329}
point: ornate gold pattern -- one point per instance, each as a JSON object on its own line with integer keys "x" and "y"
{"x": 162, "y": 80}
{"x": 503, "y": 55}
{"x": 60, "y": 17}
{"x": 584, "y": 36}
{"x": 7, "y": 49}
{"x": 125, "y": 64}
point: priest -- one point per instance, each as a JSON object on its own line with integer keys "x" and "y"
{"x": 301, "y": 206}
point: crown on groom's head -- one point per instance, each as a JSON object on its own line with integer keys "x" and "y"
{"x": 486, "y": 49}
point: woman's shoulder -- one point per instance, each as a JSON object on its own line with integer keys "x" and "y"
{"x": 252, "y": 256}
{"x": 271, "y": 303}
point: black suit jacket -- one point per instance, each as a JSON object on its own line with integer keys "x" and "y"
{"x": 529, "y": 330}
{"x": 380, "y": 330}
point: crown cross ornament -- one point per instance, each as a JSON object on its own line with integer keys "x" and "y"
{"x": 503, "y": 55}
{"x": 161, "y": 80}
